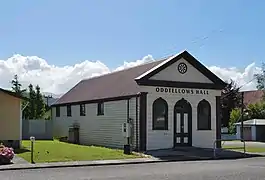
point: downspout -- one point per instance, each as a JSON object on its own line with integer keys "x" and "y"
{"x": 128, "y": 118}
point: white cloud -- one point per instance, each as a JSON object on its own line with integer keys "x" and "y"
{"x": 55, "y": 79}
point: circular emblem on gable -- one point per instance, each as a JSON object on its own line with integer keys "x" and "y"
{"x": 182, "y": 68}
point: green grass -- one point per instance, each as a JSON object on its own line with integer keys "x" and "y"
{"x": 56, "y": 151}
{"x": 248, "y": 149}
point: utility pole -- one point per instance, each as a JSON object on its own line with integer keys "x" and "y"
{"x": 242, "y": 115}
{"x": 47, "y": 99}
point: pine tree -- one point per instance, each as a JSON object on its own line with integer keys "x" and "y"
{"x": 40, "y": 105}
{"x": 32, "y": 102}
{"x": 16, "y": 86}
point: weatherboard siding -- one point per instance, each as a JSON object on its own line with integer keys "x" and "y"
{"x": 102, "y": 130}
{"x": 171, "y": 73}
{"x": 161, "y": 139}
{"x": 10, "y": 119}
{"x": 135, "y": 126}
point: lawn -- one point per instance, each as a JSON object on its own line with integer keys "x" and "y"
{"x": 248, "y": 149}
{"x": 56, "y": 151}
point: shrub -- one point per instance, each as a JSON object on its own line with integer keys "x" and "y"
{"x": 6, "y": 154}
{"x": 235, "y": 116}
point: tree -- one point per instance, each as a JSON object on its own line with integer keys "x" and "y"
{"x": 260, "y": 79}
{"x": 32, "y": 102}
{"x": 235, "y": 116}
{"x": 40, "y": 105}
{"x": 16, "y": 86}
{"x": 230, "y": 99}
{"x": 256, "y": 111}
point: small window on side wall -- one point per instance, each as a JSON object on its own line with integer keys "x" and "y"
{"x": 68, "y": 110}
{"x": 101, "y": 108}
{"x": 82, "y": 109}
{"x": 204, "y": 115}
{"x": 160, "y": 114}
{"x": 57, "y": 109}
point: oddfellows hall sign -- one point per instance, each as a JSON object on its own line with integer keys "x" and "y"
{"x": 181, "y": 91}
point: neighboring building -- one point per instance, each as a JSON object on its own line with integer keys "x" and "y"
{"x": 10, "y": 118}
{"x": 171, "y": 102}
{"x": 254, "y": 130}
{"x": 252, "y": 97}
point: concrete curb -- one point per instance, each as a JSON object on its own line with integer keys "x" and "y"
{"x": 76, "y": 164}
{"x": 107, "y": 163}
{"x": 94, "y": 163}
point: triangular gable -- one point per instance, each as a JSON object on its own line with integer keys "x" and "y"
{"x": 181, "y": 70}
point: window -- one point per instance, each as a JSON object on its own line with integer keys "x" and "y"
{"x": 82, "y": 109}
{"x": 101, "y": 108}
{"x": 204, "y": 115}
{"x": 68, "y": 110}
{"x": 57, "y": 111}
{"x": 160, "y": 114}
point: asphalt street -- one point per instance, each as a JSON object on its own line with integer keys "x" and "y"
{"x": 243, "y": 169}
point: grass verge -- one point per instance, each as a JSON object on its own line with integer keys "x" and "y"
{"x": 56, "y": 151}
{"x": 248, "y": 149}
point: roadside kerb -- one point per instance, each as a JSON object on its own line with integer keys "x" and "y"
{"x": 108, "y": 162}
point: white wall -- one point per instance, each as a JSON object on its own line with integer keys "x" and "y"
{"x": 157, "y": 139}
{"x": 103, "y": 130}
{"x": 171, "y": 73}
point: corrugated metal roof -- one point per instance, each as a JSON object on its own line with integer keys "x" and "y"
{"x": 253, "y": 122}
{"x": 115, "y": 84}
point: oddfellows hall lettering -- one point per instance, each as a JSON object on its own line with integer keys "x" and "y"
{"x": 181, "y": 91}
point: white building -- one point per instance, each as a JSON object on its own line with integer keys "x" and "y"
{"x": 171, "y": 102}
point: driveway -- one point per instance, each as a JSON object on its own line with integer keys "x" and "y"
{"x": 243, "y": 169}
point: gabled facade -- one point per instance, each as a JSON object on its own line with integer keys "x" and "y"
{"x": 170, "y": 103}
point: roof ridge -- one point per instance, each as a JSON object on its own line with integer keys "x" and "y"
{"x": 252, "y": 90}
{"x": 125, "y": 69}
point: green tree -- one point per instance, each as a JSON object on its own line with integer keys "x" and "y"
{"x": 256, "y": 111}
{"x": 32, "y": 102}
{"x": 40, "y": 105}
{"x": 16, "y": 86}
{"x": 235, "y": 117}
{"x": 260, "y": 80}
{"x": 230, "y": 99}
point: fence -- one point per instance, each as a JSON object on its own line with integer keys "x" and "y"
{"x": 39, "y": 128}
{"x": 226, "y": 136}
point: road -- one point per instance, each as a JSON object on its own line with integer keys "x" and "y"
{"x": 200, "y": 170}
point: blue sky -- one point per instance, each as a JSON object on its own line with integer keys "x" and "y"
{"x": 63, "y": 32}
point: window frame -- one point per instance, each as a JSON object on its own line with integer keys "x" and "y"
{"x": 82, "y": 109}
{"x": 100, "y": 109}
{"x": 209, "y": 118}
{"x": 68, "y": 110}
{"x": 154, "y": 114}
{"x": 57, "y": 111}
